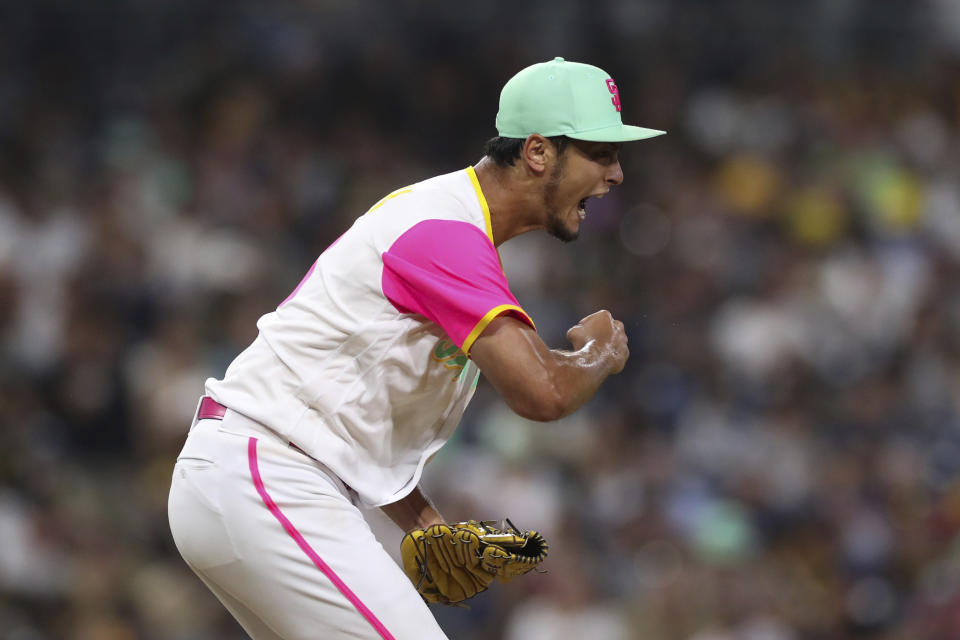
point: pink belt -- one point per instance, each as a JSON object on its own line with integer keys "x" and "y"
{"x": 210, "y": 409}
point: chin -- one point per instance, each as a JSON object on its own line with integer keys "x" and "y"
{"x": 563, "y": 233}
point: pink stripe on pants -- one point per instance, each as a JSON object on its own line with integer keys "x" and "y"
{"x": 305, "y": 546}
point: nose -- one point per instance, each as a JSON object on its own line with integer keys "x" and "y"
{"x": 615, "y": 174}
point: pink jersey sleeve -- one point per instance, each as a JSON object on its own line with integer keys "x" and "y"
{"x": 449, "y": 272}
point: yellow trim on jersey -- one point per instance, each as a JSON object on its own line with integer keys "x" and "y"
{"x": 392, "y": 195}
{"x": 487, "y": 319}
{"x": 483, "y": 201}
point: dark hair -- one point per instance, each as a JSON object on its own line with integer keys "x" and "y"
{"x": 504, "y": 151}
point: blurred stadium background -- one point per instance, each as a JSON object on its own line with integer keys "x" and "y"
{"x": 779, "y": 460}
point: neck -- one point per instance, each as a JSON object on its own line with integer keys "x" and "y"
{"x": 513, "y": 199}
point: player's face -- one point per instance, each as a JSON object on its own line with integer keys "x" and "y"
{"x": 585, "y": 170}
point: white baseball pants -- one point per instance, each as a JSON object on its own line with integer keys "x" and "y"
{"x": 281, "y": 543}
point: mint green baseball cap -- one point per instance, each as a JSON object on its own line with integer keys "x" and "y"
{"x": 560, "y": 98}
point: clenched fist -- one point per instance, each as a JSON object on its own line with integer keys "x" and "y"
{"x": 606, "y": 333}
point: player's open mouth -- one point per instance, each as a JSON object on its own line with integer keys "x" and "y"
{"x": 582, "y": 209}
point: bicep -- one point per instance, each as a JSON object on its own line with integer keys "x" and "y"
{"x": 519, "y": 366}
{"x": 449, "y": 272}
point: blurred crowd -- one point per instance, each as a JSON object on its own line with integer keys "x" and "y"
{"x": 780, "y": 460}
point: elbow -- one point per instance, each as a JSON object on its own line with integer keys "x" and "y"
{"x": 544, "y": 406}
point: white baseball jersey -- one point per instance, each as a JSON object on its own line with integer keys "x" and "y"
{"x": 365, "y": 366}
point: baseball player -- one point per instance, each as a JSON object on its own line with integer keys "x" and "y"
{"x": 363, "y": 372}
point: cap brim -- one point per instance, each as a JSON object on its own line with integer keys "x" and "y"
{"x": 617, "y": 133}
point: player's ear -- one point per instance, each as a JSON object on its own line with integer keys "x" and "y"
{"x": 537, "y": 153}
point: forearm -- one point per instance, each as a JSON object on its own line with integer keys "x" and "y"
{"x": 555, "y": 382}
{"x": 575, "y": 376}
{"x": 545, "y": 384}
{"x": 413, "y": 512}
